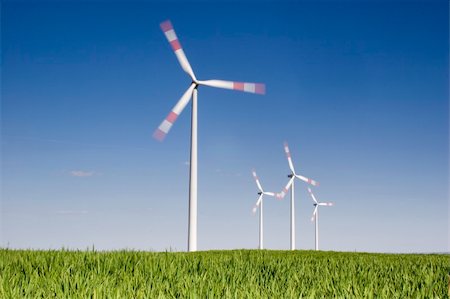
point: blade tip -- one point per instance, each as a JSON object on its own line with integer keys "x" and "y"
{"x": 166, "y": 25}
{"x": 159, "y": 135}
{"x": 260, "y": 88}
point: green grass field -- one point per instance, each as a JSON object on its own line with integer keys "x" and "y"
{"x": 221, "y": 274}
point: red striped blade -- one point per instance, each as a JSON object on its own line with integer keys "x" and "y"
{"x": 257, "y": 181}
{"x": 258, "y": 202}
{"x": 312, "y": 195}
{"x": 258, "y": 88}
{"x": 285, "y": 190}
{"x": 171, "y": 36}
{"x": 164, "y": 128}
{"x": 288, "y": 155}
{"x": 307, "y": 180}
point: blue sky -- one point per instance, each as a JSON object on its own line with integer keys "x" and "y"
{"x": 358, "y": 89}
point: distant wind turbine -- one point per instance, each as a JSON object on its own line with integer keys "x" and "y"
{"x": 290, "y": 185}
{"x": 315, "y": 214}
{"x": 161, "y": 132}
{"x": 259, "y": 203}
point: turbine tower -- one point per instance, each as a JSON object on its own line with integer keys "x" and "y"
{"x": 161, "y": 132}
{"x": 290, "y": 185}
{"x": 259, "y": 203}
{"x": 315, "y": 214}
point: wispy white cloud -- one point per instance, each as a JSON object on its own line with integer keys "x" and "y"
{"x": 187, "y": 163}
{"x": 82, "y": 173}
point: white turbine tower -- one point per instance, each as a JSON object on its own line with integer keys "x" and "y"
{"x": 315, "y": 214}
{"x": 167, "y": 123}
{"x": 290, "y": 185}
{"x": 259, "y": 203}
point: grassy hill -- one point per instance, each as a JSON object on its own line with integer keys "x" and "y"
{"x": 221, "y": 274}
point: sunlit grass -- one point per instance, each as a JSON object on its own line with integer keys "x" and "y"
{"x": 221, "y": 274}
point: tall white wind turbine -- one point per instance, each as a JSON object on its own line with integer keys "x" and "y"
{"x": 259, "y": 203}
{"x": 315, "y": 214}
{"x": 290, "y": 185}
{"x": 161, "y": 132}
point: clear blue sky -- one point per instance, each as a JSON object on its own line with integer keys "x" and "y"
{"x": 358, "y": 89}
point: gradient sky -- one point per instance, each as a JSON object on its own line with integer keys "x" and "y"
{"x": 358, "y": 89}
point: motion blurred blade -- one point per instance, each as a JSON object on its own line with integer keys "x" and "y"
{"x": 258, "y": 202}
{"x": 312, "y": 195}
{"x": 258, "y": 88}
{"x": 257, "y": 181}
{"x": 171, "y": 36}
{"x": 314, "y": 213}
{"x": 288, "y": 155}
{"x": 283, "y": 192}
{"x": 309, "y": 181}
{"x": 164, "y": 128}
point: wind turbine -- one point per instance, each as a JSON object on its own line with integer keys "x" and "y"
{"x": 315, "y": 214}
{"x": 290, "y": 185}
{"x": 259, "y": 203}
{"x": 161, "y": 132}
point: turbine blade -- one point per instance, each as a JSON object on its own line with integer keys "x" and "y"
{"x": 257, "y": 181}
{"x": 269, "y": 193}
{"x": 288, "y": 155}
{"x": 283, "y": 192}
{"x": 258, "y": 88}
{"x": 328, "y": 204}
{"x": 171, "y": 36}
{"x": 312, "y": 195}
{"x": 314, "y": 213}
{"x": 164, "y": 128}
{"x": 309, "y": 181}
{"x": 258, "y": 202}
